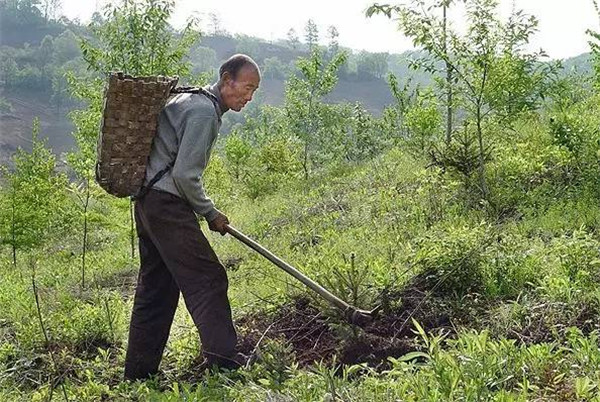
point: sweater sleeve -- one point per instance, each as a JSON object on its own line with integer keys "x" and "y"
{"x": 198, "y": 135}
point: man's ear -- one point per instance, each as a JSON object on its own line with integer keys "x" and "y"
{"x": 227, "y": 78}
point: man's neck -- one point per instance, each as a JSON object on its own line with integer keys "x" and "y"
{"x": 215, "y": 89}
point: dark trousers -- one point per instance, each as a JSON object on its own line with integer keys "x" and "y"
{"x": 175, "y": 256}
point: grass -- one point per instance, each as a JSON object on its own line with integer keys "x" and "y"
{"x": 504, "y": 296}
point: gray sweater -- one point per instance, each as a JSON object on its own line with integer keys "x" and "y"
{"x": 187, "y": 129}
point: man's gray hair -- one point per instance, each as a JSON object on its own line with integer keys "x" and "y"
{"x": 235, "y": 63}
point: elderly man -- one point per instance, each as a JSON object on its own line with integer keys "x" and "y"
{"x": 175, "y": 255}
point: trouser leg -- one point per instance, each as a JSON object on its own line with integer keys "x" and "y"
{"x": 174, "y": 229}
{"x": 154, "y": 307}
{"x": 205, "y": 296}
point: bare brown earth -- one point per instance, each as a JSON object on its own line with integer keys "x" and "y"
{"x": 16, "y": 126}
{"x": 315, "y": 336}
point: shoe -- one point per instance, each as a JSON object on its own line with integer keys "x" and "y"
{"x": 227, "y": 363}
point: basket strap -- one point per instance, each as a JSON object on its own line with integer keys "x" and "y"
{"x": 144, "y": 189}
{"x": 179, "y": 90}
{"x": 196, "y": 90}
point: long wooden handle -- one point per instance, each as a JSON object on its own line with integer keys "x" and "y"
{"x": 336, "y": 301}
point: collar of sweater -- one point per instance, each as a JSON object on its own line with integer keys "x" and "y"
{"x": 214, "y": 89}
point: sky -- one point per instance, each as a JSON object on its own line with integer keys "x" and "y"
{"x": 561, "y": 30}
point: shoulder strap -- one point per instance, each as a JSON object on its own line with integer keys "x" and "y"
{"x": 179, "y": 90}
{"x": 196, "y": 90}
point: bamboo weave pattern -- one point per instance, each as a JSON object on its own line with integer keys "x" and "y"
{"x": 129, "y": 124}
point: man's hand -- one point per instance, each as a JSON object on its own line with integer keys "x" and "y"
{"x": 218, "y": 224}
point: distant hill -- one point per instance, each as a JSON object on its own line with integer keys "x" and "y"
{"x": 15, "y": 127}
{"x": 276, "y": 59}
{"x": 581, "y": 64}
{"x": 362, "y": 80}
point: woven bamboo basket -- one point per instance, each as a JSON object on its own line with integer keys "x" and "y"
{"x": 129, "y": 124}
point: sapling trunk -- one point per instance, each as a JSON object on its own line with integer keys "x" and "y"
{"x": 449, "y": 107}
{"x": 448, "y": 79}
{"x": 14, "y": 230}
{"x": 45, "y": 332}
{"x": 85, "y": 230}
{"x": 110, "y": 318}
{"x": 354, "y": 282}
{"x": 482, "y": 183}
{"x": 305, "y": 162}
{"x": 308, "y": 135}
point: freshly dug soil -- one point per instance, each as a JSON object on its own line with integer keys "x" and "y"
{"x": 315, "y": 336}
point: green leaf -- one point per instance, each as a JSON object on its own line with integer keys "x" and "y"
{"x": 412, "y": 356}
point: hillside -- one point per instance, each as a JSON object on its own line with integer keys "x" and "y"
{"x": 15, "y": 126}
{"x": 29, "y": 95}
{"x": 38, "y": 52}
{"x": 478, "y": 247}
{"x": 373, "y": 93}
{"x": 29, "y": 103}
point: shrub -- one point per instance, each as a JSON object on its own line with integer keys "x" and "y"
{"x": 569, "y": 131}
{"x": 579, "y": 257}
{"x": 511, "y": 265}
{"x": 237, "y": 155}
{"x": 451, "y": 258}
{"x": 423, "y": 123}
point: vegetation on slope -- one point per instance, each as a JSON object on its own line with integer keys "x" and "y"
{"x": 483, "y": 250}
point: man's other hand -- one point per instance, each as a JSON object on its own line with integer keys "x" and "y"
{"x": 218, "y": 224}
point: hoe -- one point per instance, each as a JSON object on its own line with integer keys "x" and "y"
{"x": 353, "y": 315}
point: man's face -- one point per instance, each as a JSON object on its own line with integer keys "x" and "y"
{"x": 239, "y": 91}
